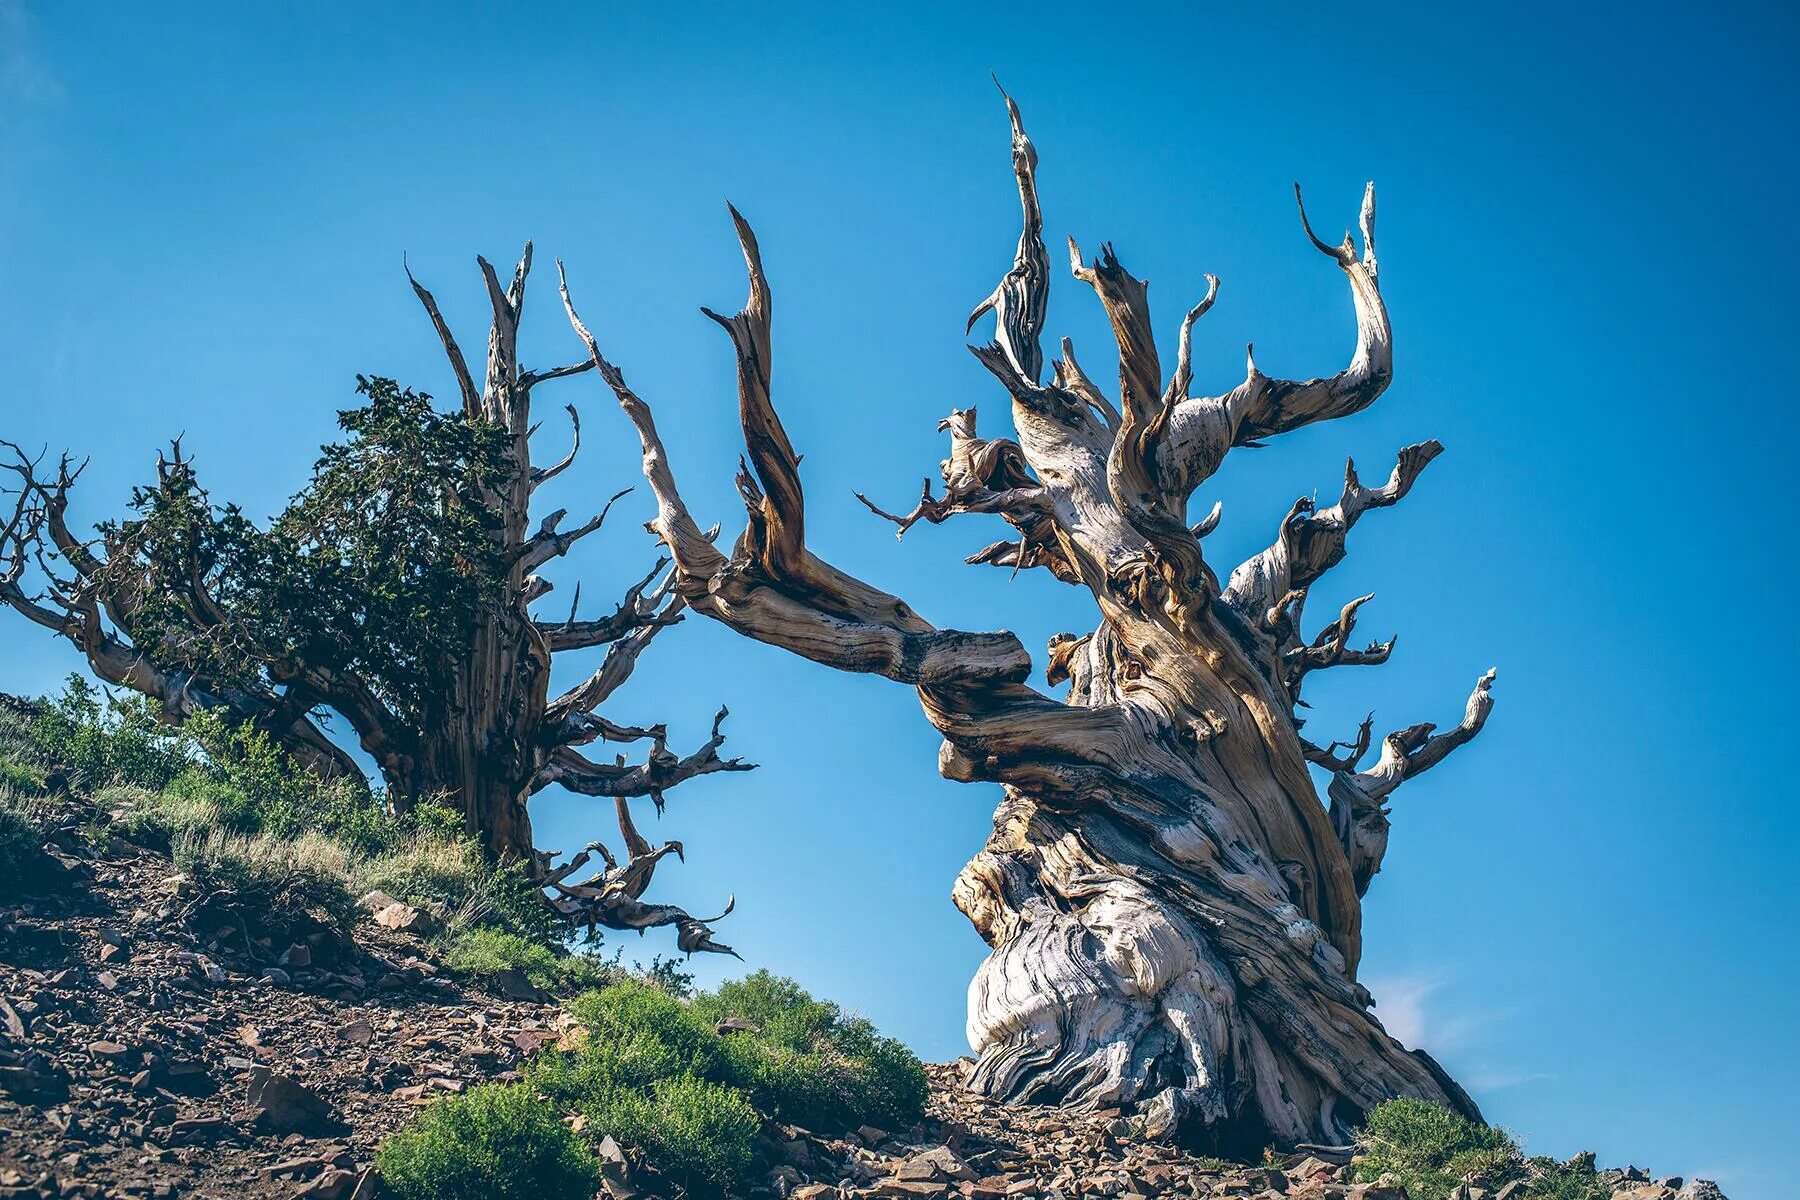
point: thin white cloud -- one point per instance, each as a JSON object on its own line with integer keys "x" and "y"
{"x": 1411, "y": 1009}
{"x": 1406, "y": 1009}
{"x": 1493, "y": 1081}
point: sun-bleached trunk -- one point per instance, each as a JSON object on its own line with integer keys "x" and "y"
{"x": 1174, "y": 915}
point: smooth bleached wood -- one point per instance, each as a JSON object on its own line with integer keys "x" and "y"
{"x": 1174, "y": 915}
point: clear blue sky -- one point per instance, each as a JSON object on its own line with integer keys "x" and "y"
{"x": 1587, "y": 245}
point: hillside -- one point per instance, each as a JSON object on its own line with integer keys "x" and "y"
{"x": 170, "y": 1031}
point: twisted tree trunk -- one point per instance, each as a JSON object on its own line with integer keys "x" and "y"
{"x": 1174, "y": 915}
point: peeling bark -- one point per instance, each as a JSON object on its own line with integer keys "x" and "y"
{"x": 1174, "y": 916}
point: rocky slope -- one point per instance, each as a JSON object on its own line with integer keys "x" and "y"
{"x": 148, "y": 1049}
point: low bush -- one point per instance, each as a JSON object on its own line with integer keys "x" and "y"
{"x": 642, "y": 1091}
{"x": 697, "y": 1132}
{"x": 1432, "y": 1150}
{"x": 270, "y": 876}
{"x": 24, "y": 767}
{"x": 1548, "y": 1179}
{"x": 806, "y": 1061}
{"x": 655, "y": 1072}
{"x": 21, "y": 841}
{"x": 632, "y": 1011}
{"x": 233, "y": 773}
{"x": 100, "y": 740}
{"x": 488, "y": 953}
{"x": 489, "y": 1143}
{"x": 449, "y": 872}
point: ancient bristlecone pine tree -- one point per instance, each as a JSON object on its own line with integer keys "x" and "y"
{"x": 396, "y": 593}
{"x": 1174, "y": 915}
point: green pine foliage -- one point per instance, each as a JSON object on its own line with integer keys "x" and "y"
{"x": 376, "y": 571}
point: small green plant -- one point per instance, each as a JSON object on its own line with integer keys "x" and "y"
{"x": 1432, "y": 1150}
{"x": 655, "y": 1072}
{"x": 487, "y": 953}
{"x": 490, "y": 1143}
{"x": 271, "y": 875}
{"x": 806, "y": 1061}
{"x": 21, "y": 777}
{"x": 697, "y": 1131}
{"x": 21, "y": 841}
{"x": 450, "y": 873}
{"x": 101, "y": 740}
{"x": 642, "y": 1091}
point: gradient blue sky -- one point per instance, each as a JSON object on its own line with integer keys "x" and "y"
{"x": 1586, "y": 246}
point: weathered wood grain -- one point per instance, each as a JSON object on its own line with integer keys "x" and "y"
{"x": 1174, "y": 915}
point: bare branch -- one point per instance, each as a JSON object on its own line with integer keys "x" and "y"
{"x": 661, "y": 771}
{"x": 636, "y": 611}
{"x": 530, "y": 379}
{"x": 542, "y": 475}
{"x": 497, "y": 393}
{"x": 567, "y": 715}
{"x": 1020, "y": 300}
{"x": 1184, "y": 372}
{"x": 1358, "y": 811}
{"x": 458, "y": 364}
{"x": 611, "y": 898}
{"x": 547, "y": 543}
{"x": 692, "y": 551}
{"x": 773, "y": 588}
{"x": 986, "y": 475}
{"x": 1311, "y": 543}
{"x": 1330, "y": 648}
{"x": 1172, "y": 566}
{"x": 1329, "y": 758}
{"x": 1203, "y": 429}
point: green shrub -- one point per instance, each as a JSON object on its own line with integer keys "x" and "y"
{"x": 808, "y": 1062}
{"x": 696, "y": 1131}
{"x": 24, "y": 767}
{"x": 1432, "y": 1149}
{"x": 486, "y": 953}
{"x": 210, "y": 764}
{"x": 653, "y": 1072}
{"x": 647, "y": 1071}
{"x": 1574, "y": 1180}
{"x": 489, "y": 1143}
{"x": 451, "y": 874}
{"x": 262, "y": 790}
{"x": 17, "y": 743}
{"x": 104, "y": 740}
{"x": 21, "y": 777}
{"x": 21, "y": 841}
{"x": 273, "y": 875}
{"x": 804, "y": 1088}
{"x": 631, "y": 1009}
